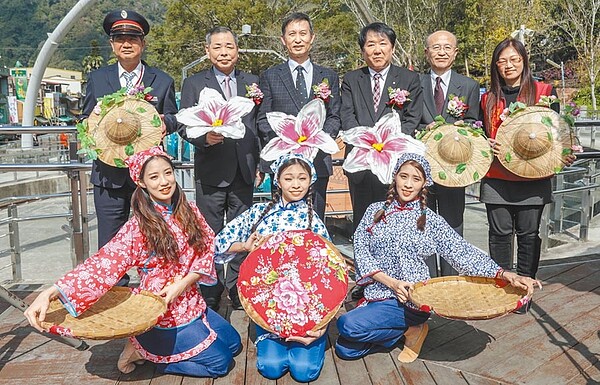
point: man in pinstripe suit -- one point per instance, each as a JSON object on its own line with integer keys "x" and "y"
{"x": 287, "y": 88}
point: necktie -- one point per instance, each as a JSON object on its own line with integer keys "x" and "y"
{"x": 376, "y": 91}
{"x": 227, "y": 89}
{"x": 438, "y": 95}
{"x": 128, "y": 79}
{"x": 301, "y": 83}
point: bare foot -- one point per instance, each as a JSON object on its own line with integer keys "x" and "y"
{"x": 414, "y": 338}
{"x": 128, "y": 358}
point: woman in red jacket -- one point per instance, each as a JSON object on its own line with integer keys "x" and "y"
{"x": 513, "y": 204}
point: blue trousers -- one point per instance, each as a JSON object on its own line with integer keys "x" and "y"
{"x": 214, "y": 361}
{"x": 376, "y": 327}
{"x": 275, "y": 357}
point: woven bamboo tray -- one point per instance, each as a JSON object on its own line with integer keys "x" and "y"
{"x": 467, "y": 298}
{"x": 119, "y": 313}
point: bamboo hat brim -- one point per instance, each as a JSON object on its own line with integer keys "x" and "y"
{"x": 118, "y": 313}
{"x": 467, "y": 298}
{"x": 458, "y": 155}
{"x": 124, "y": 129}
{"x": 534, "y": 142}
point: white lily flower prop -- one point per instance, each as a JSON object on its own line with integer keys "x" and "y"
{"x": 302, "y": 134}
{"x": 378, "y": 148}
{"x": 213, "y": 113}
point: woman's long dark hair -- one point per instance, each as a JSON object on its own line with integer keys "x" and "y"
{"x": 527, "y": 91}
{"x": 392, "y": 195}
{"x": 277, "y": 194}
{"x": 157, "y": 235}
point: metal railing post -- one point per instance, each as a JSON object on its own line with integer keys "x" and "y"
{"x": 586, "y": 198}
{"x": 545, "y": 227}
{"x": 77, "y": 233}
{"x": 85, "y": 241}
{"x": 15, "y": 243}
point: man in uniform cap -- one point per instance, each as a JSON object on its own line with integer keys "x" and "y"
{"x": 112, "y": 186}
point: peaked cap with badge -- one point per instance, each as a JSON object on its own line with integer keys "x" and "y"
{"x": 125, "y": 22}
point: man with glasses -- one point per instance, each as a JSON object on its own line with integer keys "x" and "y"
{"x": 438, "y": 85}
{"x": 112, "y": 186}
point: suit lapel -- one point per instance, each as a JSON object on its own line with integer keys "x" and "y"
{"x": 454, "y": 88}
{"x": 392, "y": 80}
{"x": 428, "y": 95}
{"x": 112, "y": 77}
{"x": 148, "y": 77}
{"x": 286, "y": 78}
{"x": 241, "y": 83}
{"x": 364, "y": 84}
{"x": 212, "y": 82}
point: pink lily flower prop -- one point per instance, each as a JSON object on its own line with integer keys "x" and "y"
{"x": 213, "y": 113}
{"x": 378, "y": 148}
{"x": 302, "y": 134}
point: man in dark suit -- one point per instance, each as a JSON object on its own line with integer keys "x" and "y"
{"x": 112, "y": 186}
{"x": 364, "y": 97}
{"x": 287, "y": 88}
{"x": 224, "y": 168}
{"x": 441, "y": 50}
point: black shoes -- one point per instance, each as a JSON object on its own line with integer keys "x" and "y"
{"x": 212, "y": 303}
{"x": 358, "y": 292}
{"x": 235, "y": 300}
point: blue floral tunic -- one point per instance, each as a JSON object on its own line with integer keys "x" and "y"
{"x": 291, "y": 216}
{"x": 397, "y": 248}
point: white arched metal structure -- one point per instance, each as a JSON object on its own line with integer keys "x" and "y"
{"x": 42, "y": 60}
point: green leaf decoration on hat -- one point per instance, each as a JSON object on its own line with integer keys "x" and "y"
{"x": 508, "y": 157}
{"x": 557, "y": 169}
{"x": 475, "y": 176}
{"x": 129, "y": 149}
{"x": 549, "y": 136}
{"x": 119, "y": 163}
{"x": 485, "y": 153}
{"x": 566, "y": 151}
{"x": 547, "y": 121}
{"x": 141, "y": 110}
{"x": 460, "y": 168}
{"x": 156, "y": 122}
{"x": 462, "y": 131}
{"x": 438, "y": 136}
{"x": 442, "y": 175}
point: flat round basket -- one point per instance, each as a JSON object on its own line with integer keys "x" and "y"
{"x": 294, "y": 282}
{"x": 467, "y": 298}
{"x": 118, "y": 313}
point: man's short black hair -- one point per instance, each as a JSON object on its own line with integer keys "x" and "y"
{"x": 296, "y": 16}
{"x": 378, "y": 28}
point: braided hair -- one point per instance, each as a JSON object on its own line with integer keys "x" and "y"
{"x": 278, "y": 193}
{"x": 392, "y": 195}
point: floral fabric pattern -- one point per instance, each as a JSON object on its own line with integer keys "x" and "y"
{"x": 292, "y": 216}
{"x": 89, "y": 281}
{"x": 396, "y": 247}
{"x": 294, "y": 281}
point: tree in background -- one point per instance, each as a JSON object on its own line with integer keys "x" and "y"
{"x": 580, "y": 20}
{"x": 181, "y": 37}
{"x": 94, "y": 60}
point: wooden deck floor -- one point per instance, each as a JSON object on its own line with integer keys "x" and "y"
{"x": 557, "y": 343}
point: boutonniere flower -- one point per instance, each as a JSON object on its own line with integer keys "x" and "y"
{"x": 397, "y": 97}
{"x": 213, "y": 113}
{"x": 457, "y": 106}
{"x": 322, "y": 90}
{"x": 254, "y": 93}
{"x": 378, "y": 148}
{"x": 302, "y": 134}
